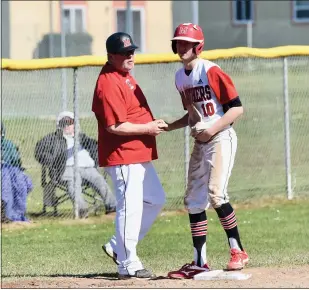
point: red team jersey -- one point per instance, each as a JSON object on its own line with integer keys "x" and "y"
{"x": 207, "y": 88}
{"x": 117, "y": 99}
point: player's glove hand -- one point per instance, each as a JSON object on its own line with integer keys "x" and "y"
{"x": 198, "y": 128}
{"x": 202, "y": 132}
{"x": 204, "y": 136}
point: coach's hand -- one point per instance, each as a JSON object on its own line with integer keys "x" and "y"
{"x": 161, "y": 123}
{"x": 165, "y": 126}
{"x": 156, "y": 127}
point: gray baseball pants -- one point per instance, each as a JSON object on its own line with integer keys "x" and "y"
{"x": 93, "y": 176}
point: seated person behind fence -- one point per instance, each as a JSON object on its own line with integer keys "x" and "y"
{"x": 15, "y": 184}
{"x": 56, "y": 151}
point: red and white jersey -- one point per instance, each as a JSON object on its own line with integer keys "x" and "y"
{"x": 207, "y": 88}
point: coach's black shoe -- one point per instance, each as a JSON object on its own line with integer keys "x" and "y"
{"x": 110, "y": 209}
{"x": 141, "y": 274}
{"x": 109, "y": 252}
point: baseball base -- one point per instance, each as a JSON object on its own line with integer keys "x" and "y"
{"x": 222, "y": 275}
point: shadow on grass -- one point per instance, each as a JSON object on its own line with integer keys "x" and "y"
{"x": 107, "y": 276}
{"x": 62, "y": 214}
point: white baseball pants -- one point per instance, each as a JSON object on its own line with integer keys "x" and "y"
{"x": 140, "y": 197}
{"x": 209, "y": 172}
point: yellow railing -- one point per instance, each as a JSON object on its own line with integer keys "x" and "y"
{"x": 81, "y": 61}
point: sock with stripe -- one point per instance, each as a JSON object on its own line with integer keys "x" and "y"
{"x": 228, "y": 221}
{"x": 198, "y": 224}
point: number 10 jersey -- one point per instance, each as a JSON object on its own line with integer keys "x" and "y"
{"x": 207, "y": 88}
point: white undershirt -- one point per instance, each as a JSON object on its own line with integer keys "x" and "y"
{"x": 84, "y": 158}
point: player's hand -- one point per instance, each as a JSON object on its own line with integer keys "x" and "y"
{"x": 161, "y": 123}
{"x": 164, "y": 125}
{"x": 204, "y": 136}
{"x": 168, "y": 127}
{"x": 198, "y": 128}
{"x": 156, "y": 127}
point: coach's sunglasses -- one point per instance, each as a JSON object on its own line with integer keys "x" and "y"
{"x": 128, "y": 53}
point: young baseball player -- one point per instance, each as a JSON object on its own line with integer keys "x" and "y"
{"x": 127, "y": 146}
{"x": 213, "y": 105}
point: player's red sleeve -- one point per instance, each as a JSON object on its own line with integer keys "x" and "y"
{"x": 222, "y": 85}
{"x": 109, "y": 103}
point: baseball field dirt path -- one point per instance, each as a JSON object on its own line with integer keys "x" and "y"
{"x": 283, "y": 277}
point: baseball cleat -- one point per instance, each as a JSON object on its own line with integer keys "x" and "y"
{"x": 188, "y": 271}
{"x": 238, "y": 260}
{"x": 107, "y": 248}
{"x": 141, "y": 274}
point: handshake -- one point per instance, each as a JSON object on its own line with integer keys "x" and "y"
{"x": 156, "y": 127}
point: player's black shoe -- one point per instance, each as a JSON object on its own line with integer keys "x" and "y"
{"x": 141, "y": 274}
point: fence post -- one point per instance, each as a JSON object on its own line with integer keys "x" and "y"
{"x": 77, "y": 185}
{"x": 287, "y": 130}
{"x": 187, "y": 152}
{"x": 63, "y": 54}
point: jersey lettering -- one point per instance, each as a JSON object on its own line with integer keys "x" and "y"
{"x": 207, "y": 92}
{"x": 196, "y": 94}
{"x": 207, "y": 88}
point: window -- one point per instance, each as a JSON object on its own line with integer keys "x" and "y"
{"x": 243, "y": 11}
{"x": 301, "y": 11}
{"x": 74, "y": 19}
{"x": 138, "y": 27}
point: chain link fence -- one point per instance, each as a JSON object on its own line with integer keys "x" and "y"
{"x": 32, "y": 100}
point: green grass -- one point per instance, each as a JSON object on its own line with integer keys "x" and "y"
{"x": 30, "y": 107}
{"x": 276, "y": 234}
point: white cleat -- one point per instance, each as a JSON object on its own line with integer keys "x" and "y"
{"x": 107, "y": 248}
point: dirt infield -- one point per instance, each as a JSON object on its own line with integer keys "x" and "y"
{"x": 288, "y": 277}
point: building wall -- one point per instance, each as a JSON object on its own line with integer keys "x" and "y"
{"x": 276, "y": 27}
{"x": 100, "y": 24}
{"x": 273, "y": 25}
{"x": 5, "y": 23}
{"x": 29, "y": 21}
{"x": 159, "y": 26}
{"x": 182, "y": 12}
{"x": 216, "y": 21}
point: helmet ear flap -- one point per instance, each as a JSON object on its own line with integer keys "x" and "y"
{"x": 198, "y": 48}
{"x": 174, "y": 48}
{"x": 195, "y": 48}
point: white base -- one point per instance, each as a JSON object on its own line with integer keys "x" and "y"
{"x": 222, "y": 275}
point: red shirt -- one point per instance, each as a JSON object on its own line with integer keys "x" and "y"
{"x": 118, "y": 99}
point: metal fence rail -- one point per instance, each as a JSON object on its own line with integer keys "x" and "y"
{"x": 272, "y": 156}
